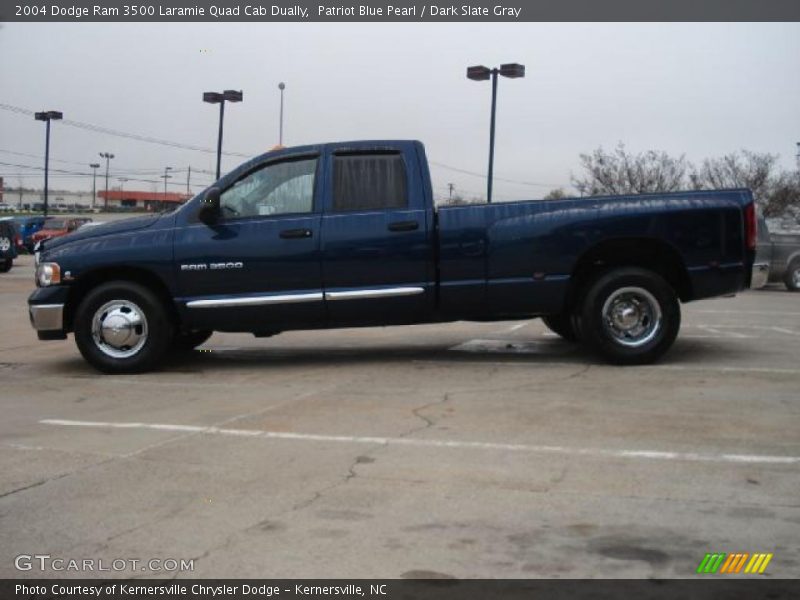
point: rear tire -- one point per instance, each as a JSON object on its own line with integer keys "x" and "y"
{"x": 186, "y": 342}
{"x": 122, "y": 327}
{"x": 562, "y": 325}
{"x": 792, "y": 276}
{"x": 630, "y": 316}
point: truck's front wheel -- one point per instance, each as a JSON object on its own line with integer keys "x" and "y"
{"x": 122, "y": 327}
{"x": 630, "y": 316}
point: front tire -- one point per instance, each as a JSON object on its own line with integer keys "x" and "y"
{"x": 122, "y": 327}
{"x": 630, "y": 316}
{"x": 5, "y": 266}
{"x": 792, "y": 276}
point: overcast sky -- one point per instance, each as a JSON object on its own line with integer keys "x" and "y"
{"x": 698, "y": 89}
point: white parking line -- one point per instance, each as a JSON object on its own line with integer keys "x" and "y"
{"x": 713, "y": 330}
{"x": 388, "y": 441}
{"x": 573, "y": 365}
{"x": 502, "y": 346}
{"x": 742, "y": 312}
{"x": 784, "y": 330}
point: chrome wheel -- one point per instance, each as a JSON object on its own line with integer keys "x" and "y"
{"x": 119, "y": 329}
{"x": 632, "y": 316}
{"x": 796, "y": 277}
{"x": 5, "y": 244}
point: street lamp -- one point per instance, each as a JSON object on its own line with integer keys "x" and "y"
{"x": 166, "y": 176}
{"x": 220, "y": 98}
{"x": 481, "y": 73}
{"x": 281, "y": 87}
{"x": 47, "y": 116}
{"x": 94, "y": 167}
{"x": 122, "y": 181}
{"x": 108, "y": 156}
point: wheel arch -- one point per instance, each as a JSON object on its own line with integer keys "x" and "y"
{"x": 91, "y": 279}
{"x": 792, "y": 257}
{"x": 643, "y": 252}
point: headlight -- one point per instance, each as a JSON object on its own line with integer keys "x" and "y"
{"x": 48, "y": 274}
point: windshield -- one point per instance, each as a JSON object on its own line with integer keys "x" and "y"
{"x": 56, "y": 224}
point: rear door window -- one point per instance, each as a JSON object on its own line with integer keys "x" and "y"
{"x": 369, "y": 181}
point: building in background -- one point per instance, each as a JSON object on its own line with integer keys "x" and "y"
{"x": 144, "y": 201}
{"x": 70, "y": 201}
{"x": 58, "y": 200}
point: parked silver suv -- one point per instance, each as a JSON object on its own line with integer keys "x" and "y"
{"x": 777, "y": 258}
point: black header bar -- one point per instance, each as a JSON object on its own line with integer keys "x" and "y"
{"x": 179, "y": 11}
{"x": 751, "y": 588}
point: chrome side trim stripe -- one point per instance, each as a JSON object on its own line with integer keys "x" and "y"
{"x": 256, "y": 300}
{"x": 375, "y": 293}
{"x": 309, "y": 297}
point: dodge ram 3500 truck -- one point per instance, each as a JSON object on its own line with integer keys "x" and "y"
{"x": 346, "y": 234}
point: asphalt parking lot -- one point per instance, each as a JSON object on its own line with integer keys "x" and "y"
{"x": 457, "y": 450}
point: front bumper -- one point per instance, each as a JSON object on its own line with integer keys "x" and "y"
{"x": 760, "y": 275}
{"x": 47, "y": 317}
{"x": 46, "y": 311}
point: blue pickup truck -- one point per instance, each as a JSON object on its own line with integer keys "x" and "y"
{"x": 347, "y": 234}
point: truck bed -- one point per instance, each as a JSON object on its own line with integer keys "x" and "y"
{"x": 532, "y": 249}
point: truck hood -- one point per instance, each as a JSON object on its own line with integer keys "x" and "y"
{"x": 114, "y": 227}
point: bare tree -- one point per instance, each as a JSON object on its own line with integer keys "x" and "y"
{"x": 743, "y": 169}
{"x": 621, "y": 172}
{"x": 783, "y": 196}
{"x": 454, "y": 200}
{"x": 775, "y": 191}
{"x": 556, "y": 194}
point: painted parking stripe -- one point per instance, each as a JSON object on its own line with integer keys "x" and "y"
{"x": 785, "y": 330}
{"x": 517, "y": 326}
{"x": 714, "y": 330}
{"x": 505, "y": 346}
{"x": 743, "y": 312}
{"x": 429, "y": 443}
{"x": 572, "y": 365}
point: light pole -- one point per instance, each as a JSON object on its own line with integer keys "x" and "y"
{"x": 108, "y": 156}
{"x": 166, "y": 176}
{"x": 122, "y": 181}
{"x": 47, "y": 116}
{"x": 481, "y": 73}
{"x": 220, "y": 98}
{"x": 94, "y": 167}
{"x": 281, "y": 87}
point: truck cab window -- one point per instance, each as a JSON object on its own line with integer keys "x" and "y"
{"x": 369, "y": 182}
{"x": 279, "y": 188}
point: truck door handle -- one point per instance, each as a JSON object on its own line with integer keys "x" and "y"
{"x": 403, "y": 226}
{"x": 288, "y": 234}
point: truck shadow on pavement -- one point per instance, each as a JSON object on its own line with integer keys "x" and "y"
{"x": 211, "y": 357}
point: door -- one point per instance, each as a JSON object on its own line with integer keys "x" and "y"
{"x": 376, "y": 239}
{"x": 258, "y": 267}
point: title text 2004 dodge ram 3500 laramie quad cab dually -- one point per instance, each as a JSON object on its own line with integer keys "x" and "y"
{"x": 346, "y": 234}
